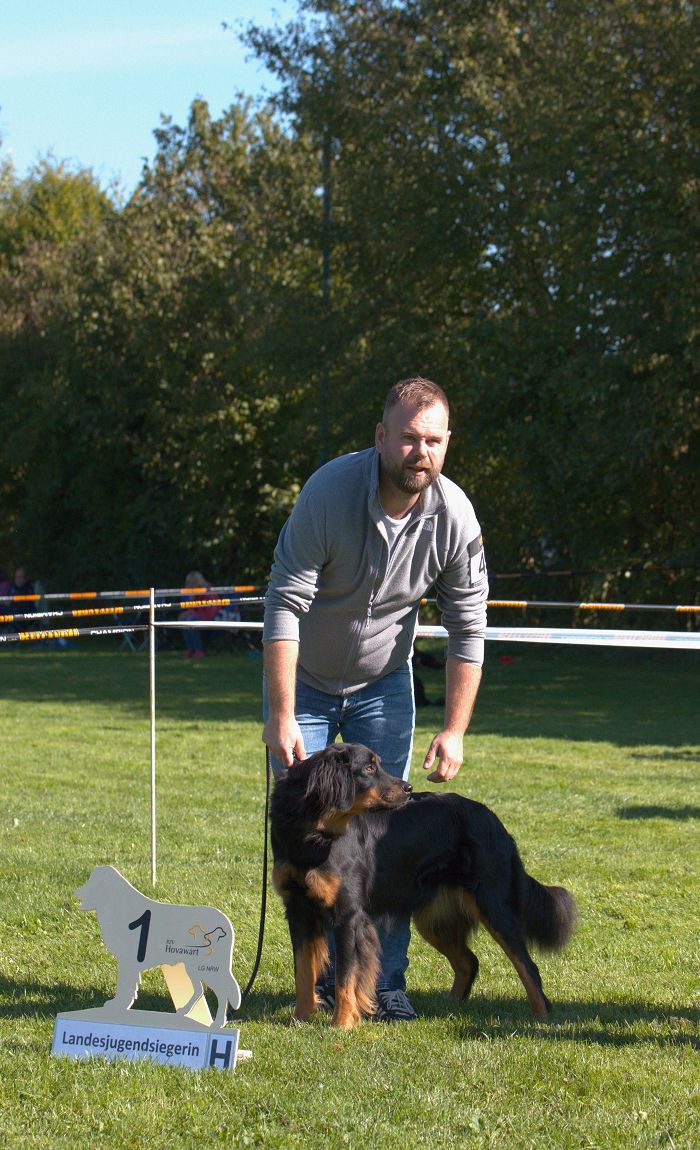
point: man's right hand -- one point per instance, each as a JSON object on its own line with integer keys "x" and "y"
{"x": 284, "y": 739}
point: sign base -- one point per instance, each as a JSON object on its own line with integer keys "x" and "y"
{"x": 154, "y": 1036}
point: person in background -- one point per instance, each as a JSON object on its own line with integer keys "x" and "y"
{"x": 21, "y": 585}
{"x": 5, "y": 592}
{"x": 193, "y": 636}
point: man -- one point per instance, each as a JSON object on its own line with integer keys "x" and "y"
{"x": 370, "y": 534}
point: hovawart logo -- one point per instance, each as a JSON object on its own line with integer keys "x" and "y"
{"x": 193, "y": 946}
{"x": 202, "y": 943}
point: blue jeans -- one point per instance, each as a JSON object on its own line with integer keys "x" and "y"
{"x": 193, "y": 639}
{"x": 382, "y": 716}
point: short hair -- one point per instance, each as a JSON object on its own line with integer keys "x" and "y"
{"x": 417, "y": 392}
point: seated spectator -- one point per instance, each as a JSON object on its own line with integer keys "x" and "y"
{"x": 193, "y": 635}
{"x": 22, "y": 586}
{"x": 5, "y": 602}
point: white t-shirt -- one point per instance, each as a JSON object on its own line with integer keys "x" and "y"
{"x": 394, "y": 527}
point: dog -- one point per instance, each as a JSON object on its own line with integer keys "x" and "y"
{"x": 351, "y": 843}
{"x": 143, "y": 934}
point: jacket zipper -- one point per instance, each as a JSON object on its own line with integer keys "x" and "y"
{"x": 390, "y": 561}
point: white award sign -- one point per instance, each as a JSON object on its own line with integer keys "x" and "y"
{"x": 193, "y": 945}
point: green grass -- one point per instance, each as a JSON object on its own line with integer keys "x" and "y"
{"x": 591, "y": 760}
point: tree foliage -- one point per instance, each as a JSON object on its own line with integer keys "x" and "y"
{"x": 516, "y": 205}
{"x": 166, "y": 367}
{"x": 503, "y": 196}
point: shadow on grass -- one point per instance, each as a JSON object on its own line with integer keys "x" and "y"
{"x": 605, "y": 1024}
{"x": 221, "y": 688}
{"x": 682, "y": 756}
{"x": 33, "y": 999}
{"x": 651, "y": 812}
{"x": 599, "y": 1023}
{"x": 625, "y": 697}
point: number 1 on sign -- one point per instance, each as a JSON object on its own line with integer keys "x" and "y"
{"x": 144, "y": 922}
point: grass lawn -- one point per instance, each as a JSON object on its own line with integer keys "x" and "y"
{"x": 589, "y": 757}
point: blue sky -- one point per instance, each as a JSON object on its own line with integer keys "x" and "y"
{"x": 88, "y": 80}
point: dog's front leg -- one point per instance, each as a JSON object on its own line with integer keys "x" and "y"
{"x": 128, "y": 981}
{"x": 347, "y": 1013}
{"x": 304, "y": 982}
{"x": 310, "y": 957}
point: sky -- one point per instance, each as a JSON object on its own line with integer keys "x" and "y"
{"x": 87, "y": 81}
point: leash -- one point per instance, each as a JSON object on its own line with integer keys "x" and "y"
{"x": 263, "y": 899}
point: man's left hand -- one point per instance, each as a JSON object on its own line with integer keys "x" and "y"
{"x": 448, "y": 749}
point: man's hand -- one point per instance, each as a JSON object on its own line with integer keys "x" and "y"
{"x": 462, "y": 683}
{"x": 284, "y": 740}
{"x": 281, "y": 733}
{"x": 448, "y": 749}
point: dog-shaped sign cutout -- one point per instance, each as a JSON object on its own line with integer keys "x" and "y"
{"x": 192, "y": 944}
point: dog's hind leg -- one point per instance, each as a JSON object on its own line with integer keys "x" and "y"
{"x": 504, "y": 927}
{"x": 197, "y": 992}
{"x": 446, "y": 923}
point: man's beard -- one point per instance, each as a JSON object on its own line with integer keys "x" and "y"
{"x": 410, "y": 482}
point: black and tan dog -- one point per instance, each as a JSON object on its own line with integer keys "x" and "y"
{"x": 350, "y": 842}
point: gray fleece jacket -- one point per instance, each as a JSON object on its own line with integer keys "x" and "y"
{"x": 353, "y": 607}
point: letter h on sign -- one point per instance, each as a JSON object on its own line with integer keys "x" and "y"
{"x": 225, "y": 1057}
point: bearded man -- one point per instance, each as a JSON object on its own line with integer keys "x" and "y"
{"x": 371, "y": 533}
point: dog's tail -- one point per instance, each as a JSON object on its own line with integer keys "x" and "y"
{"x": 549, "y": 913}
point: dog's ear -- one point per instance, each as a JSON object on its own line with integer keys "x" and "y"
{"x": 330, "y": 784}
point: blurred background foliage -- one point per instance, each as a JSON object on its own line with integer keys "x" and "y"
{"x": 502, "y": 196}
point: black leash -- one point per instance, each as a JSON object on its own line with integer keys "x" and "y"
{"x": 263, "y": 900}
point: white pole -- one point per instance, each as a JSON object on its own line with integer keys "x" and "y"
{"x": 152, "y": 661}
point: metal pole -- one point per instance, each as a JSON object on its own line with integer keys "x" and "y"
{"x": 152, "y": 662}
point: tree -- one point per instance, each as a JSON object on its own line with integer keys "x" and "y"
{"x": 49, "y": 222}
{"x": 500, "y": 195}
{"x": 169, "y": 356}
{"x": 513, "y": 191}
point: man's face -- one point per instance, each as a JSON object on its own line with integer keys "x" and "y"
{"x": 412, "y": 445}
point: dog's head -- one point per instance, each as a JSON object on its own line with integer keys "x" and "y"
{"x": 345, "y": 779}
{"x": 98, "y": 889}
